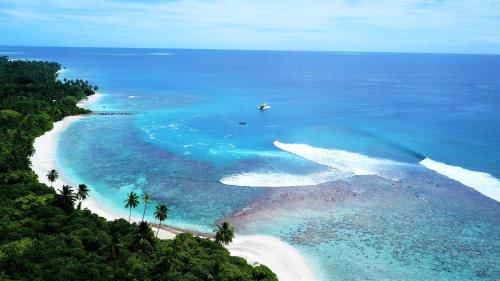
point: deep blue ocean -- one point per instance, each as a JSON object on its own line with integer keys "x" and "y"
{"x": 334, "y": 167}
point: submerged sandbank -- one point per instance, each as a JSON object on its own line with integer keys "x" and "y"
{"x": 280, "y": 257}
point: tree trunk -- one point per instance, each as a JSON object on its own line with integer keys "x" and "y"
{"x": 129, "y": 214}
{"x": 144, "y": 213}
{"x": 158, "y": 229}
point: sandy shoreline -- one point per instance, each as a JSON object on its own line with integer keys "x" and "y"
{"x": 280, "y": 257}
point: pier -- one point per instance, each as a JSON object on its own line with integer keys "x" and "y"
{"x": 116, "y": 112}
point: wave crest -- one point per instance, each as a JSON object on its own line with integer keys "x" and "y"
{"x": 274, "y": 179}
{"x": 482, "y": 182}
{"x": 341, "y": 165}
{"x": 349, "y": 162}
{"x": 344, "y": 164}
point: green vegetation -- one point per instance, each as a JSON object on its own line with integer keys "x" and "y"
{"x": 52, "y": 176}
{"x": 224, "y": 233}
{"x": 44, "y": 237}
{"x": 82, "y": 194}
{"x": 146, "y": 199}
{"x": 131, "y": 202}
{"x": 161, "y": 214}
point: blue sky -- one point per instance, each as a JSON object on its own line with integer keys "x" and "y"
{"x": 445, "y": 26}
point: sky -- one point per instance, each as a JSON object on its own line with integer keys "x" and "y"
{"x": 431, "y": 26}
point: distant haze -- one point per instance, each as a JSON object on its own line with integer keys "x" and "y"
{"x": 441, "y": 26}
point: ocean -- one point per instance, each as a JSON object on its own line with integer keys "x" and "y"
{"x": 372, "y": 165}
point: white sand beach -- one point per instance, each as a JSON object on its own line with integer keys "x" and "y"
{"x": 280, "y": 257}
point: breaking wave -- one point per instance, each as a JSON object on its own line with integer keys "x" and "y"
{"x": 482, "y": 182}
{"x": 275, "y": 179}
{"x": 349, "y": 162}
{"x": 341, "y": 164}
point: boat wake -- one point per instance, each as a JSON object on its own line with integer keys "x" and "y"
{"x": 482, "y": 182}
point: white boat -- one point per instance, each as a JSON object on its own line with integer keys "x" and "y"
{"x": 264, "y": 106}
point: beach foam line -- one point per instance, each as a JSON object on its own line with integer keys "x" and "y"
{"x": 482, "y": 182}
{"x": 285, "y": 261}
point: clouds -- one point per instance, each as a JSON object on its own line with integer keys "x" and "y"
{"x": 353, "y": 25}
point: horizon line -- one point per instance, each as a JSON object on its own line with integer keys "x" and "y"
{"x": 253, "y": 50}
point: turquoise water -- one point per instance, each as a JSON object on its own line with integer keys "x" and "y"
{"x": 352, "y": 127}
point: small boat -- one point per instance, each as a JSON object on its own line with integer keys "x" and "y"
{"x": 264, "y": 106}
{"x": 243, "y": 123}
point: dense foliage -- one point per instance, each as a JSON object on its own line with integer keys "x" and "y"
{"x": 44, "y": 237}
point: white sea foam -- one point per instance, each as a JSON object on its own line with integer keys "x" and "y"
{"x": 482, "y": 182}
{"x": 273, "y": 179}
{"x": 344, "y": 161}
{"x": 342, "y": 164}
{"x": 132, "y": 97}
{"x": 174, "y": 126}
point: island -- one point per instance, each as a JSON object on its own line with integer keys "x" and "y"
{"x": 45, "y": 234}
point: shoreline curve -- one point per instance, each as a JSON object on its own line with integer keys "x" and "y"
{"x": 284, "y": 260}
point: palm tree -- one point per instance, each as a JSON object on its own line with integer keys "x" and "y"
{"x": 215, "y": 270}
{"x": 224, "y": 234}
{"x": 68, "y": 197}
{"x": 144, "y": 238}
{"x": 146, "y": 199}
{"x": 131, "y": 202}
{"x": 82, "y": 194}
{"x": 161, "y": 214}
{"x": 115, "y": 246}
{"x": 52, "y": 176}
